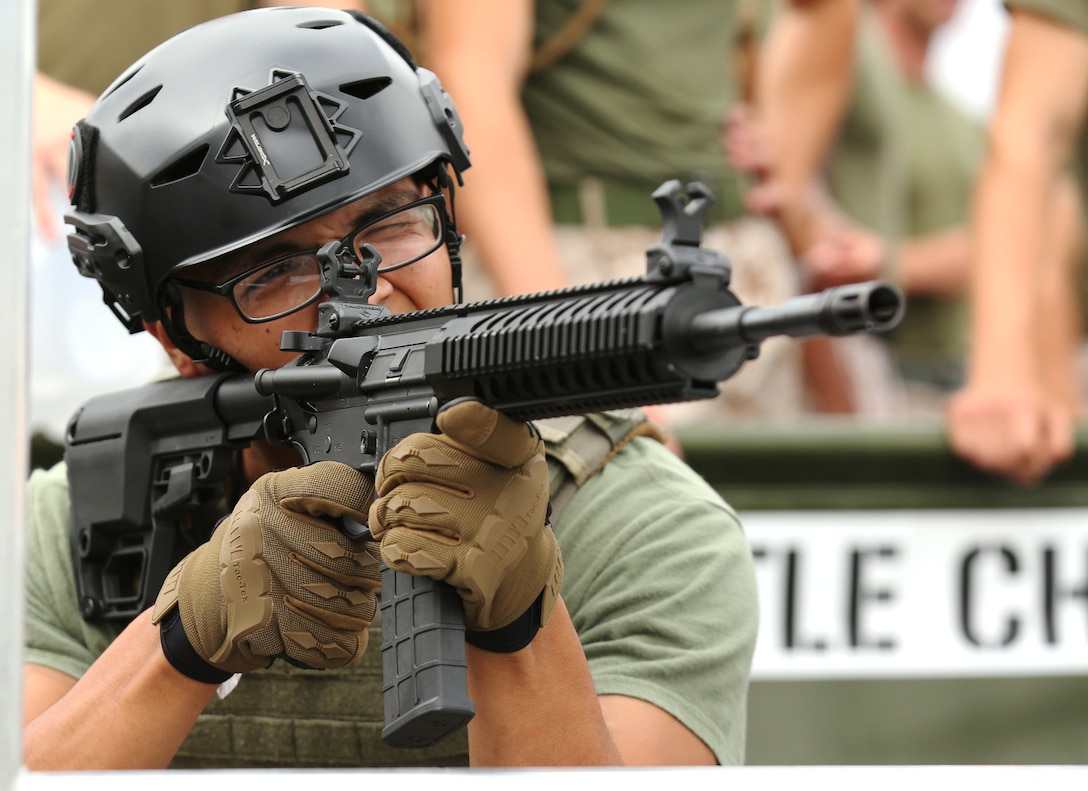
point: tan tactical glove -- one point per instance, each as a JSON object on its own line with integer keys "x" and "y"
{"x": 469, "y": 506}
{"x": 276, "y": 579}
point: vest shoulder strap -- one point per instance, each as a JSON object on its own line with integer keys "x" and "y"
{"x": 579, "y": 446}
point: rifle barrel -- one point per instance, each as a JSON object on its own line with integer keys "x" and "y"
{"x": 874, "y": 306}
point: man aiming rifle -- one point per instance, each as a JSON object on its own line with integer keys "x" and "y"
{"x": 214, "y": 185}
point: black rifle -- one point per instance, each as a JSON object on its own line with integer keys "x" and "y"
{"x": 147, "y": 467}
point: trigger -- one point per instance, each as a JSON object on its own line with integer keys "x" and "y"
{"x": 353, "y": 529}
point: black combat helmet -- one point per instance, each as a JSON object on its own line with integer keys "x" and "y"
{"x": 237, "y": 129}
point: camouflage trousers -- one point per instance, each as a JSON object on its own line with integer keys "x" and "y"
{"x": 763, "y": 273}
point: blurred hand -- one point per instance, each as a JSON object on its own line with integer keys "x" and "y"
{"x": 804, "y": 215}
{"x": 278, "y": 579}
{"x": 469, "y": 506}
{"x": 745, "y": 142}
{"x": 57, "y": 108}
{"x": 1014, "y": 431}
{"x": 849, "y": 254}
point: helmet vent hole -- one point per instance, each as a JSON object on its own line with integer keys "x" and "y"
{"x": 181, "y": 168}
{"x": 140, "y": 103}
{"x": 364, "y": 89}
{"x": 320, "y": 24}
{"x": 122, "y": 81}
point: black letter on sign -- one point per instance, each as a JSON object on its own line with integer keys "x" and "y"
{"x": 967, "y": 592}
{"x": 793, "y": 574}
{"x": 859, "y": 593}
{"x": 1052, "y": 592}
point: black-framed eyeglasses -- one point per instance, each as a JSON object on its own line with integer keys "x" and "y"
{"x": 288, "y": 283}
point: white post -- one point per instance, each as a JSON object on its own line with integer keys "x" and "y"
{"x": 17, "y": 50}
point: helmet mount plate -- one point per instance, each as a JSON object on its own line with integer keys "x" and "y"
{"x": 283, "y": 138}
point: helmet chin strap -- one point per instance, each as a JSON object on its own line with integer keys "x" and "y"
{"x": 453, "y": 245}
{"x": 200, "y": 352}
{"x": 443, "y": 183}
{"x": 216, "y": 359}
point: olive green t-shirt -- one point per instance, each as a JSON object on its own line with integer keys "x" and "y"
{"x": 658, "y": 579}
{"x": 864, "y": 168}
{"x": 941, "y": 163}
{"x": 905, "y": 165}
{"x": 640, "y": 98}
{"x": 88, "y": 44}
{"x": 1071, "y": 13}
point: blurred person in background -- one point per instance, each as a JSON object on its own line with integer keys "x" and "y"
{"x": 902, "y": 170}
{"x": 1017, "y": 413}
{"x": 580, "y": 109}
{"x": 899, "y": 181}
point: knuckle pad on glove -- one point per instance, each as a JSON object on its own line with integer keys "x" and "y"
{"x": 425, "y": 458}
{"x": 415, "y": 552}
{"x": 338, "y": 556}
{"x": 330, "y": 585}
{"x": 315, "y": 638}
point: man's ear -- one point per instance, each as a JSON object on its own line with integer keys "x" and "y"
{"x": 182, "y": 362}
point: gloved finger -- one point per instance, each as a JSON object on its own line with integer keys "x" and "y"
{"x": 488, "y": 434}
{"x": 352, "y": 619}
{"x": 407, "y": 550}
{"x": 422, "y": 524}
{"x": 324, "y": 489}
{"x": 429, "y": 486}
{"x": 309, "y": 640}
{"x": 359, "y": 570}
{"x": 433, "y": 465}
{"x": 425, "y": 507}
{"x": 429, "y": 458}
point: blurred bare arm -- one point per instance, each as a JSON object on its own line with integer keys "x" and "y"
{"x": 803, "y": 83}
{"x": 480, "y": 50}
{"x": 1005, "y": 421}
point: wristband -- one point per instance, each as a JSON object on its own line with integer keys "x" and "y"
{"x": 181, "y": 654}
{"x": 512, "y": 637}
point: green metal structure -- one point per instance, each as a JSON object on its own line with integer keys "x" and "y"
{"x": 845, "y": 465}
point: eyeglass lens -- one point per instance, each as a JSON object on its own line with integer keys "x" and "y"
{"x": 403, "y": 237}
{"x": 286, "y": 284}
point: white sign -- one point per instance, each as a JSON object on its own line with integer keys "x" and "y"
{"x": 862, "y": 594}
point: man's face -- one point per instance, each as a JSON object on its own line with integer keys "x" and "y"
{"x": 213, "y": 318}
